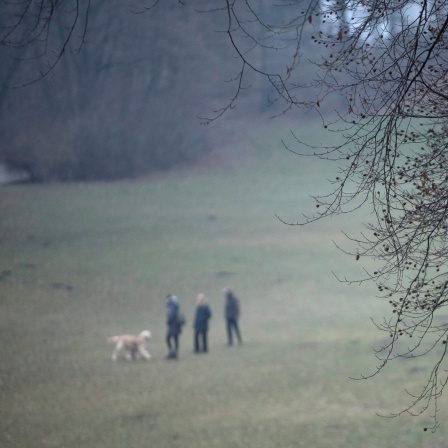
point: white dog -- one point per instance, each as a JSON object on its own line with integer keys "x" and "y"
{"x": 134, "y": 347}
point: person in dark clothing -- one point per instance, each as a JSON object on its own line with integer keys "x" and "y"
{"x": 232, "y": 311}
{"x": 202, "y": 316}
{"x": 174, "y": 325}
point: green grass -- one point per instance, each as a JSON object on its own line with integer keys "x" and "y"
{"x": 82, "y": 262}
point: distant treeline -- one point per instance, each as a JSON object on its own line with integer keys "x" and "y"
{"x": 126, "y": 102}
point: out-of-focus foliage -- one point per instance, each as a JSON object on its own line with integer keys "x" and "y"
{"x": 124, "y": 98}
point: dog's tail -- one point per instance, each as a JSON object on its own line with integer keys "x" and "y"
{"x": 112, "y": 339}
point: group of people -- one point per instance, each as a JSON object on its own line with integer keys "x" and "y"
{"x": 175, "y": 320}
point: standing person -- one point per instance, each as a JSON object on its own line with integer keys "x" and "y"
{"x": 232, "y": 311}
{"x": 174, "y": 324}
{"x": 202, "y": 316}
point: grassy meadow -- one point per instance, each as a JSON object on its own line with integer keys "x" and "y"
{"x": 82, "y": 262}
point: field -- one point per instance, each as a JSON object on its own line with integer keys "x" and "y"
{"x": 81, "y": 262}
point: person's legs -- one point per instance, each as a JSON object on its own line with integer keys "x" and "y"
{"x": 237, "y": 331}
{"x": 229, "y": 332}
{"x": 196, "y": 341}
{"x": 232, "y": 327}
{"x": 172, "y": 341}
{"x": 168, "y": 341}
{"x": 204, "y": 341}
{"x": 176, "y": 344}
